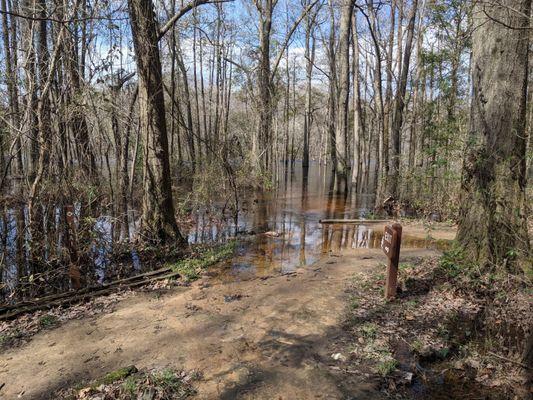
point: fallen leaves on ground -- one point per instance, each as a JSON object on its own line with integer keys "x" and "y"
{"x": 22, "y": 328}
{"x": 128, "y": 383}
{"x": 438, "y": 328}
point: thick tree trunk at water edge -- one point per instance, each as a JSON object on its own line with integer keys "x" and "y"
{"x": 158, "y": 220}
{"x": 492, "y": 225}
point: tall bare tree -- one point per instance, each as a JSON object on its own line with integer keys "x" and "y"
{"x": 399, "y": 106}
{"x": 341, "y": 130}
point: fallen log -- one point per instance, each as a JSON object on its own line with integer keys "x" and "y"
{"x": 354, "y": 221}
{"x": 79, "y": 297}
{"x": 45, "y": 299}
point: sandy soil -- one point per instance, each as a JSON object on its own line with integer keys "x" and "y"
{"x": 257, "y": 339}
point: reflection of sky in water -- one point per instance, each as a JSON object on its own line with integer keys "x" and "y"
{"x": 102, "y": 245}
{"x": 293, "y": 211}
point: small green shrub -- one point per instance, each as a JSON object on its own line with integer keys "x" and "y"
{"x": 117, "y": 375}
{"x": 416, "y": 346}
{"x": 354, "y": 303}
{"x": 369, "y": 330}
{"x": 168, "y": 379}
{"x": 452, "y": 262}
{"x": 47, "y": 321}
{"x": 387, "y": 367}
{"x": 130, "y": 386}
{"x": 191, "y": 268}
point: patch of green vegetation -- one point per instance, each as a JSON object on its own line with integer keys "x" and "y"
{"x": 191, "y": 268}
{"x": 128, "y": 383}
{"x": 369, "y": 330}
{"x": 168, "y": 379}
{"x": 416, "y": 346}
{"x": 411, "y": 303}
{"x": 117, "y": 375}
{"x": 366, "y": 285}
{"x": 130, "y": 386}
{"x": 354, "y": 303}
{"x": 451, "y": 262}
{"x": 443, "y": 353}
{"x": 47, "y": 321}
{"x": 386, "y": 367}
{"x": 405, "y": 266}
{"x": 4, "y": 339}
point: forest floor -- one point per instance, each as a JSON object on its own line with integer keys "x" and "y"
{"x": 322, "y": 332}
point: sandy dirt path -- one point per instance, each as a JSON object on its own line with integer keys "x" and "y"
{"x": 257, "y": 339}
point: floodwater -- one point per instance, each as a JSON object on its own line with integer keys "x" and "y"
{"x": 280, "y": 231}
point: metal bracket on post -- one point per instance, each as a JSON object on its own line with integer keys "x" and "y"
{"x": 390, "y": 244}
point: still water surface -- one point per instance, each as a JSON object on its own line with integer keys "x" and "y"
{"x": 289, "y": 214}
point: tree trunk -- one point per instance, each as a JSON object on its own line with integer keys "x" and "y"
{"x": 388, "y": 112}
{"x": 76, "y": 121}
{"x": 310, "y": 57}
{"x": 358, "y": 127}
{"x": 30, "y": 86}
{"x": 341, "y": 131}
{"x": 397, "y": 121}
{"x": 332, "y": 87}
{"x": 265, "y": 90}
{"x": 11, "y": 80}
{"x": 378, "y": 99}
{"x": 492, "y": 219}
{"x": 158, "y": 222}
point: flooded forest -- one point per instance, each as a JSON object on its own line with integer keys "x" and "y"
{"x": 229, "y": 168}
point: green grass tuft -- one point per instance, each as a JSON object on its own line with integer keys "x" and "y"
{"x": 354, "y": 303}
{"x": 191, "y": 268}
{"x": 168, "y": 379}
{"x": 387, "y": 367}
{"x": 130, "y": 386}
{"x": 117, "y": 375}
{"x": 416, "y": 346}
{"x": 47, "y": 321}
{"x": 369, "y": 330}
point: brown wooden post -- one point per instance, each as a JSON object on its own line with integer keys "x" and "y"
{"x": 390, "y": 244}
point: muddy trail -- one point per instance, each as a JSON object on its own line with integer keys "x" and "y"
{"x": 262, "y": 338}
